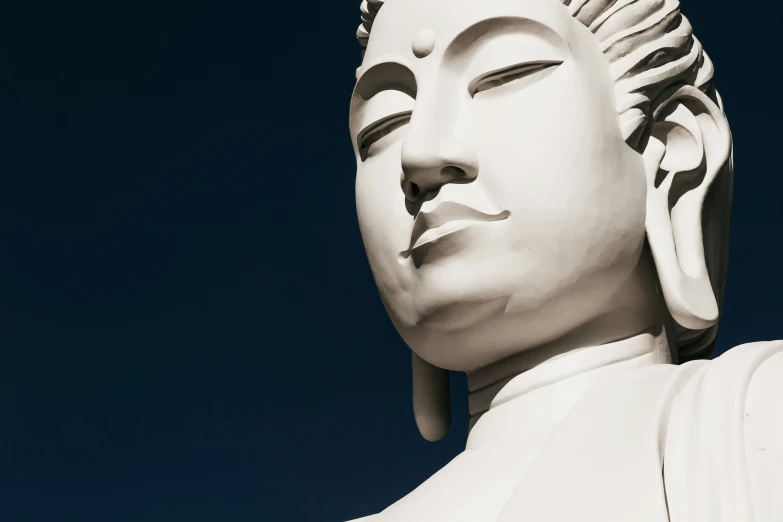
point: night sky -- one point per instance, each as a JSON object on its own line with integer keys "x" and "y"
{"x": 188, "y": 327}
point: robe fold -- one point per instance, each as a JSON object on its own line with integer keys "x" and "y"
{"x": 658, "y": 443}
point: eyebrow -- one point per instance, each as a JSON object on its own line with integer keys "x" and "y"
{"x": 393, "y": 75}
{"x": 472, "y": 38}
{"x": 386, "y": 76}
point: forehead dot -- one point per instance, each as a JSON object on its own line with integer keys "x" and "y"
{"x": 423, "y": 43}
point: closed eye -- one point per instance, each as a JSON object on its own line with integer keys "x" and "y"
{"x": 381, "y": 128}
{"x": 499, "y": 77}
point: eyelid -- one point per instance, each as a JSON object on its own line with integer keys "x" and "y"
{"x": 520, "y": 70}
{"x": 372, "y": 129}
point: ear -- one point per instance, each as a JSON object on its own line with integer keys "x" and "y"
{"x": 431, "y": 399}
{"x": 689, "y": 145}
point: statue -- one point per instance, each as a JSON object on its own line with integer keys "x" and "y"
{"x": 543, "y": 190}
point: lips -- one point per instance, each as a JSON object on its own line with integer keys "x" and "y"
{"x": 445, "y": 219}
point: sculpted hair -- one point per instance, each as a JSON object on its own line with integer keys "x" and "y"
{"x": 650, "y": 48}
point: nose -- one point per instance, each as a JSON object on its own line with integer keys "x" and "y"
{"x": 432, "y": 157}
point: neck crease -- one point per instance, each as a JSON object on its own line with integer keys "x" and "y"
{"x": 502, "y": 382}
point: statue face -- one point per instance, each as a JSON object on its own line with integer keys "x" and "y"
{"x": 499, "y": 205}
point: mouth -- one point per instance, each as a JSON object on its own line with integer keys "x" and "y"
{"x": 447, "y": 218}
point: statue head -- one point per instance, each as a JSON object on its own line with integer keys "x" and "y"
{"x": 529, "y": 167}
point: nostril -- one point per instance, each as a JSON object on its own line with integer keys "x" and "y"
{"x": 452, "y": 172}
{"x": 415, "y": 191}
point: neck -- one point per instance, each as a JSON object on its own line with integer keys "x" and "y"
{"x": 557, "y": 362}
{"x": 629, "y": 327}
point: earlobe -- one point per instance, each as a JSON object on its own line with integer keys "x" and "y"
{"x": 431, "y": 399}
{"x": 688, "y": 147}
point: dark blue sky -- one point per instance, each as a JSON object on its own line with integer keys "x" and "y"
{"x": 188, "y": 327}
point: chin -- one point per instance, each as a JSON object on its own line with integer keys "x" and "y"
{"x": 456, "y": 293}
{"x": 451, "y": 306}
{"x": 462, "y": 316}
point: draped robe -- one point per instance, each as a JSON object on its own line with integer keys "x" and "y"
{"x": 698, "y": 442}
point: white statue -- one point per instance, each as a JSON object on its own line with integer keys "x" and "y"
{"x": 543, "y": 189}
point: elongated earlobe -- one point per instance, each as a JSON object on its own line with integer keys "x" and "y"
{"x": 431, "y": 399}
{"x": 689, "y": 146}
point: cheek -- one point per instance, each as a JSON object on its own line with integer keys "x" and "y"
{"x": 380, "y": 204}
{"x": 384, "y": 222}
{"x": 551, "y": 132}
{"x": 555, "y": 157}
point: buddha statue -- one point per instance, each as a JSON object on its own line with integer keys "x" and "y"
{"x": 543, "y": 190}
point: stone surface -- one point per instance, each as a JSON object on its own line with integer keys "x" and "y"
{"x": 544, "y": 201}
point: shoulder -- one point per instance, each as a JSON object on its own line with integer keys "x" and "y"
{"x": 763, "y": 427}
{"x": 738, "y": 371}
{"x": 746, "y": 358}
{"x": 720, "y": 389}
{"x": 764, "y": 401}
{"x": 725, "y": 434}
{"x": 766, "y": 384}
{"x": 754, "y": 375}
